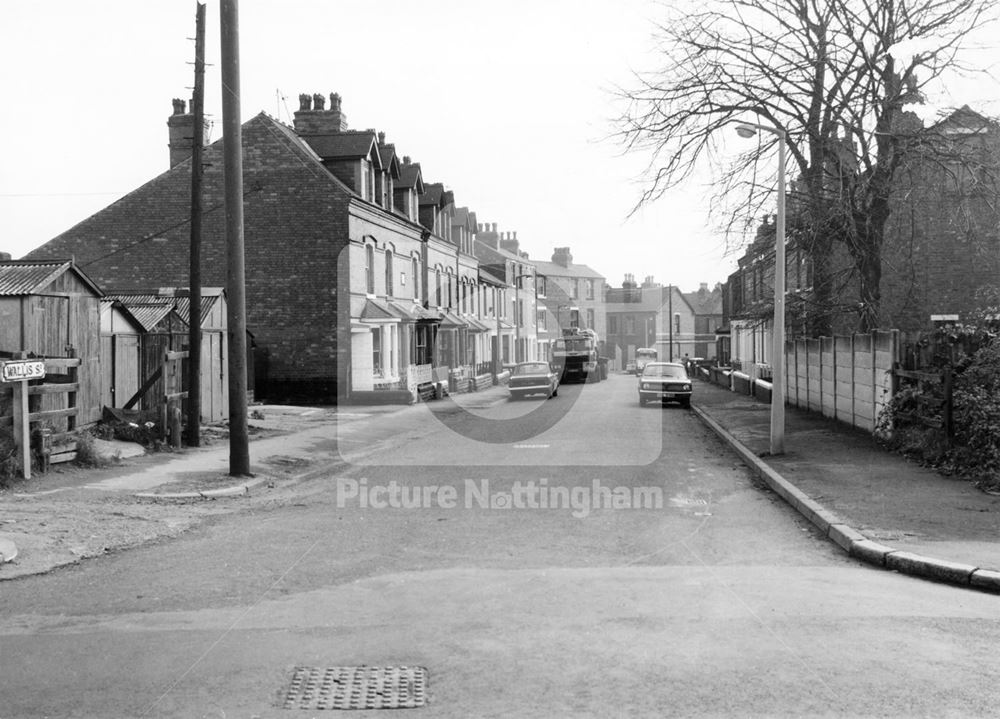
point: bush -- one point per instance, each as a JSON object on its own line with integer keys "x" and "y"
{"x": 974, "y": 451}
{"x": 976, "y": 401}
{"x": 10, "y": 464}
{"x": 87, "y": 454}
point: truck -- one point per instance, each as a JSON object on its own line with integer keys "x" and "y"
{"x": 574, "y": 356}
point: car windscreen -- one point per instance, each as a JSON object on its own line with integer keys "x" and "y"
{"x": 572, "y": 345}
{"x": 664, "y": 371}
{"x": 533, "y": 368}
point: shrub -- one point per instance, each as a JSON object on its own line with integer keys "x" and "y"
{"x": 87, "y": 454}
{"x": 976, "y": 400}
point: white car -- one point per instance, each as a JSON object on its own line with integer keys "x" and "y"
{"x": 664, "y": 382}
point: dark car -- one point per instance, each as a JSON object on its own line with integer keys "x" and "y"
{"x": 664, "y": 382}
{"x": 533, "y": 378}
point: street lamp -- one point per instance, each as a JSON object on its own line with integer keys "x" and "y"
{"x": 747, "y": 130}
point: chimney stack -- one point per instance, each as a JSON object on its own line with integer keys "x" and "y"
{"x": 312, "y": 117}
{"x": 180, "y": 133}
{"x": 561, "y": 256}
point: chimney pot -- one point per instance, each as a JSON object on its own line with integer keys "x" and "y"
{"x": 334, "y": 102}
{"x": 381, "y": 138}
{"x": 319, "y": 102}
{"x": 178, "y": 107}
{"x": 305, "y": 102}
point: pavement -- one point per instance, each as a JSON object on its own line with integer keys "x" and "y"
{"x": 877, "y": 506}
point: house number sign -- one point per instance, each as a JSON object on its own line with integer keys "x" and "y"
{"x": 21, "y": 370}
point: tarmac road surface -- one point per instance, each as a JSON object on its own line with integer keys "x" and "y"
{"x": 719, "y": 601}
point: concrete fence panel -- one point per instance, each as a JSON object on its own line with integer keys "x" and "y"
{"x": 848, "y": 378}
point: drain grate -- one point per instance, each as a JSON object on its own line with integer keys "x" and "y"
{"x": 361, "y": 687}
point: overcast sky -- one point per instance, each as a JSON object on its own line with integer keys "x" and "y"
{"x": 506, "y": 103}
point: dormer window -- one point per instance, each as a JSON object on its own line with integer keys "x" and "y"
{"x": 369, "y": 171}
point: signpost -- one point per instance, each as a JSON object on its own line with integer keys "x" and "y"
{"x": 18, "y": 372}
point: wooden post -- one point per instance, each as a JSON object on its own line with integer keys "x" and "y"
{"x": 194, "y": 288}
{"x": 949, "y": 425}
{"x": 854, "y": 388}
{"x": 22, "y": 427}
{"x": 232, "y": 137}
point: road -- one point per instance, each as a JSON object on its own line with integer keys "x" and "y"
{"x": 718, "y": 600}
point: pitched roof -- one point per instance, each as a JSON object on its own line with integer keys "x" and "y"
{"x": 25, "y": 277}
{"x": 344, "y": 145}
{"x": 704, "y": 303}
{"x": 390, "y": 160}
{"x": 551, "y": 269}
{"x": 411, "y": 177}
{"x": 149, "y": 308}
{"x": 141, "y": 240}
{"x": 433, "y": 194}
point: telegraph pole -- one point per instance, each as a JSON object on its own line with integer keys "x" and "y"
{"x": 670, "y": 323}
{"x": 239, "y": 450}
{"x": 194, "y": 285}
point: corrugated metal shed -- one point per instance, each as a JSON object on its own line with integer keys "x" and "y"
{"x": 25, "y": 277}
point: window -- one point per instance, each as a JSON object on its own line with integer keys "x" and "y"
{"x": 388, "y": 273}
{"x": 630, "y": 325}
{"x": 369, "y": 269}
{"x": 377, "y": 350}
{"x": 590, "y": 319}
{"x": 574, "y": 318}
{"x": 541, "y": 320}
{"x": 465, "y": 291}
{"x": 612, "y": 324}
{"x": 415, "y": 271}
{"x": 450, "y": 295}
{"x": 677, "y": 323}
{"x": 540, "y": 285}
{"x": 437, "y": 277}
{"x": 573, "y": 290}
{"x": 422, "y": 353}
{"x": 590, "y": 290}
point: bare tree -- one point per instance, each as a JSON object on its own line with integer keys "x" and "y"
{"x": 836, "y": 76}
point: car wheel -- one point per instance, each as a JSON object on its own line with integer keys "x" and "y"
{"x": 555, "y": 391}
{"x": 642, "y": 402}
{"x": 686, "y": 403}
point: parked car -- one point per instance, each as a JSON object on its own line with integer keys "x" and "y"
{"x": 533, "y": 378}
{"x": 630, "y": 367}
{"x": 664, "y": 382}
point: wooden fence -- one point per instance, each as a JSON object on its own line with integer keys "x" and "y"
{"x": 849, "y": 378}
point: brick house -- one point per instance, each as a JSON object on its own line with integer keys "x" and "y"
{"x": 941, "y": 249}
{"x": 343, "y": 241}
{"x": 570, "y": 295}
{"x": 514, "y": 277}
{"x": 658, "y": 317}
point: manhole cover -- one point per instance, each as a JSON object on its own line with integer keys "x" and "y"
{"x": 357, "y": 688}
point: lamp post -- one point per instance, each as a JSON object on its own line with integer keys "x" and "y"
{"x": 747, "y": 130}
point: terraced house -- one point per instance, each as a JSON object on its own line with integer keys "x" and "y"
{"x": 354, "y": 273}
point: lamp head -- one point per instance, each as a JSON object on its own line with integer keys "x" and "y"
{"x": 745, "y": 131}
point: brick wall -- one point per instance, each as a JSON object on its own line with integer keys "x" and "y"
{"x": 295, "y": 224}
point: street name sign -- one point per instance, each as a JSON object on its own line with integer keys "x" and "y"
{"x": 20, "y": 370}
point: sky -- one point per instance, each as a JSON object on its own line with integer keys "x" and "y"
{"x": 509, "y": 104}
